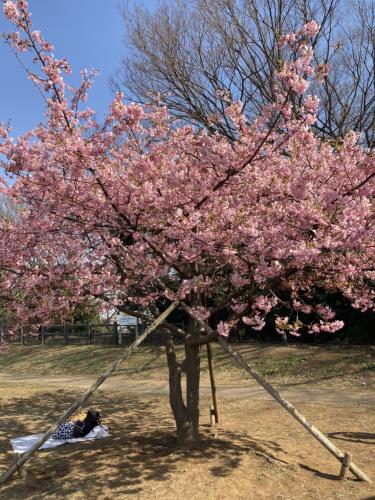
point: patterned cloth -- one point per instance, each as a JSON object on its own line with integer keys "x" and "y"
{"x": 65, "y": 431}
{"x": 23, "y": 443}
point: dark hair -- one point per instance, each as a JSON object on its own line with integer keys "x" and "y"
{"x": 92, "y": 419}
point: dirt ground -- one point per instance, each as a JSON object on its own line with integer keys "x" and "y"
{"x": 256, "y": 452}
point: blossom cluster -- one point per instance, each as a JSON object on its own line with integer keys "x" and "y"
{"x": 112, "y": 210}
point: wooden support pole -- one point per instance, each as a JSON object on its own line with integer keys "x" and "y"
{"x": 22, "y": 337}
{"x": 314, "y": 431}
{"x": 115, "y": 333}
{"x": 89, "y": 334}
{"x": 85, "y": 396}
{"x": 212, "y": 416}
{"x": 280, "y": 399}
{"x": 20, "y": 471}
{"x": 213, "y": 383}
{"x": 347, "y": 460}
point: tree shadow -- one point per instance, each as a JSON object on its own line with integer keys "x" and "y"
{"x": 354, "y": 437}
{"x": 332, "y": 477}
{"x": 324, "y": 475}
{"x": 142, "y": 448}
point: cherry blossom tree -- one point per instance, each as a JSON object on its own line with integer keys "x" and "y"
{"x": 138, "y": 210}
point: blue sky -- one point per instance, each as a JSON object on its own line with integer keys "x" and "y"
{"x": 88, "y": 33}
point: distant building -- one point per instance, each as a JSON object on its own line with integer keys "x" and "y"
{"x": 126, "y": 320}
{"x": 111, "y": 316}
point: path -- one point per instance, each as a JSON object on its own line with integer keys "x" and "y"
{"x": 303, "y": 393}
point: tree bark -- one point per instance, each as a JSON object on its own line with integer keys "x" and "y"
{"x": 186, "y": 415}
{"x": 175, "y": 389}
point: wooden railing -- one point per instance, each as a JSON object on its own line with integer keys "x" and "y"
{"x": 88, "y": 333}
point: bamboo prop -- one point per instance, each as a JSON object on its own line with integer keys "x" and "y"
{"x": 214, "y": 408}
{"x": 345, "y": 465}
{"x": 80, "y": 401}
{"x": 314, "y": 431}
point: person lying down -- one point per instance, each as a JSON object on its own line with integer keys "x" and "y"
{"x": 79, "y": 425}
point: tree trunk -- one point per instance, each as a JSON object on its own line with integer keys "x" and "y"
{"x": 192, "y": 364}
{"x": 186, "y": 415}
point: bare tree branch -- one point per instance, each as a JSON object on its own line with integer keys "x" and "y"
{"x": 197, "y": 55}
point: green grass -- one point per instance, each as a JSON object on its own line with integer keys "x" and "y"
{"x": 318, "y": 365}
{"x": 285, "y": 364}
{"x": 75, "y": 360}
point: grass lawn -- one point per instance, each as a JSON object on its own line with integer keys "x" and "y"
{"x": 285, "y": 364}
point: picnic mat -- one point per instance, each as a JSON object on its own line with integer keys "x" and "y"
{"x": 23, "y": 443}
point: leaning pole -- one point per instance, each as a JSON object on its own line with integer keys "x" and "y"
{"x": 314, "y": 431}
{"x": 86, "y": 395}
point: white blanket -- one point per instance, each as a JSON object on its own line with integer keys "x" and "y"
{"x": 23, "y": 443}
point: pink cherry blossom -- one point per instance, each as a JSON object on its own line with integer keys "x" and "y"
{"x": 311, "y": 28}
{"x": 10, "y": 11}
{"x": 223, "y": 329}
{"x": 112, "y": 210}
{"x": 256, "y": 322}
{"x": 325, "y": 312}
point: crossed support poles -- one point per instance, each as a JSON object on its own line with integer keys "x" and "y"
{"x": 343, "y": 458}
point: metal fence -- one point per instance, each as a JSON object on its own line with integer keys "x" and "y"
{"x": 76, "y": 333}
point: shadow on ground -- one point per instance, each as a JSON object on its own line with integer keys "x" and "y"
{"x": 142, "y": 448}
{"x": 355, "y": 437}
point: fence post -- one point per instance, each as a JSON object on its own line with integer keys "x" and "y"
{"x": 22, "y": 337}
{"x": 42, "y": 333}
{"x": 65, "y": 335}
{"x": 89, "y": 334}
{"x": 119, "y": 335}
{"x": 1, "y": 335}
{"x": 137, "y": 328}
{"x": 115, "y": 333}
